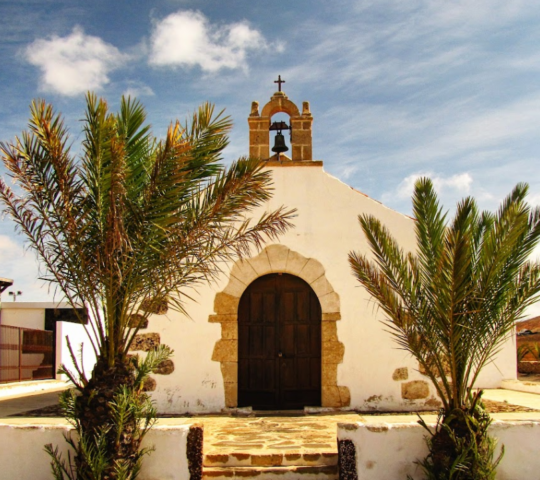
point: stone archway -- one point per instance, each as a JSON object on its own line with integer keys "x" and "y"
{"x": 279, "y": 259}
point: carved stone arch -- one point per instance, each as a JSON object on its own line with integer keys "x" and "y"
{"x": 279, "y": 259}
{"x": 280, "y": 105}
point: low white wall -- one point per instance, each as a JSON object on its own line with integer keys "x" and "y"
{"x": 22, "y": 455}
{"x": 386, "y": 451}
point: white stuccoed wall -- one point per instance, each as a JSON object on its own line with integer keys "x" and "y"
{"x": 77, "y": 336}
{"x": 327, "y": 229}
{"x": 22, "y": 455}
{"x": 387, "y": 451}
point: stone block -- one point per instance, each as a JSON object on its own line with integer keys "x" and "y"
{"x": 157, "y": 306}
{"x": 332, "y": 352}
{"x": 229, "y": 330}
{"x": 244, "y": 271}
{"x": 345, "y": 396}
{"x": 295, "y": 263}
{"x": 433, "y": 403}
{"x": 254, "y": 151}
{"x": 235, "y": 287}
{"x": 307, "y": 152}
{"x": 231, "y": 395}
{"x": 415, "y": 390}
{"x": 330, "y": 302}
{"x": 297, "y": 152}
{"x": 261, "y": 264}
{"x": 312, "y": 270}
{"x": 301, "y": 137}
{"x": 267, "y": 460}
{"x": 256, "y": 122}
{"x": 264, "y": 151}
{"x": 331, "y": 317}
{"x": 400, "y": 374}
{"x": 277, "y": 256}
{"x": 138, "y": 321}
{"x": 254, "y": 109}
{"x": 321, "y": 286}
{"x": 229, "y": 370}
{"x": 164, "y": 368}
{"x": 226, "y": 304}
{"x": 216, "y": 458}
{"x": 225, "y": 351}
{"x": 433, "y": 368}
{"x": 258, "y": 137}
{"x": 145, "y": 342}
{"x": 329, "y": 374}
{"x": 219, "y": 318}
{"x": 330, "y": 396}
{"x": 329, "y": 332}
{"x": 149, "y": 385}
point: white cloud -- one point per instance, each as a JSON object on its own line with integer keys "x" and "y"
{"x": 459, "y": 183}
{"x": 187, "y": 39}
{"x": 22, "y": 266}
{"x": 73, "y": 64}
{"x": 534, "y": 200}
{"x": 138, "y": 90}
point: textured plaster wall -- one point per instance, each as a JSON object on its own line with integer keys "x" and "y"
{"x": 22, "y": 455}
{"x": 386, "y": 451}
{"x": 326, "y": 231}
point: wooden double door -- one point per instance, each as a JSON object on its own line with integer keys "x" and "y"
{"x": 279, "y": 338}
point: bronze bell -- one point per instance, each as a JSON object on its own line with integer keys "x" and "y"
{"x": 279, "y": 145}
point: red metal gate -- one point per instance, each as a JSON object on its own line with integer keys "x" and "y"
{"x": 25, "y": 354}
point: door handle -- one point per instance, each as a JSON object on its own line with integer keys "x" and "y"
{"x": 280, "y": 354}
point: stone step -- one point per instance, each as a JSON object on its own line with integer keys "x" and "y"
{"x": 318, "y": 472}
{"x": 256, "y": 459}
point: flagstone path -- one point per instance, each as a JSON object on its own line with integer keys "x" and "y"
{"x": 273, "y": 434}
{"x": 264, "y": 446}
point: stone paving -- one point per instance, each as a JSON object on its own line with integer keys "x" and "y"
{"x": 273, "y": 435}
{"x": 288, "y": 447}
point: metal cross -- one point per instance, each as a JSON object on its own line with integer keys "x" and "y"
{"x": 279, "y": 82}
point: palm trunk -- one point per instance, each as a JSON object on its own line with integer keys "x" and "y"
{"x": 96, "y": 415}
{"x": 460, "y": 448}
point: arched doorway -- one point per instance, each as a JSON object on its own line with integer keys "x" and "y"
{"x": 279, "y": 344}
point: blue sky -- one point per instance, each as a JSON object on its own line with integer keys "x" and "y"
{"x": 398, "y": 89}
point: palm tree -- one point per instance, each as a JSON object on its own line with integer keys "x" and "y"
{"x": 451, "y": 304}
{"x": 130, "y": 224}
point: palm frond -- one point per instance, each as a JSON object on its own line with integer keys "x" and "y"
{"x": 454, "y": 301}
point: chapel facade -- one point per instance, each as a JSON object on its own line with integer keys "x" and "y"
{"x": 290, "y": 327}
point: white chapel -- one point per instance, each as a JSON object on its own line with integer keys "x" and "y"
{"x": 291, "y": 327}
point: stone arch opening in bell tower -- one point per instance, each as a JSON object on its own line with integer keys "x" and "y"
{"x": 300, "y": 123}
{"x": 286, "y": 119}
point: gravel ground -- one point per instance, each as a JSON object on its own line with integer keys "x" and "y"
{"x": 491, "y": 406}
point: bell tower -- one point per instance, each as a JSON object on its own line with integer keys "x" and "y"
{"x": 300, "y": 128}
